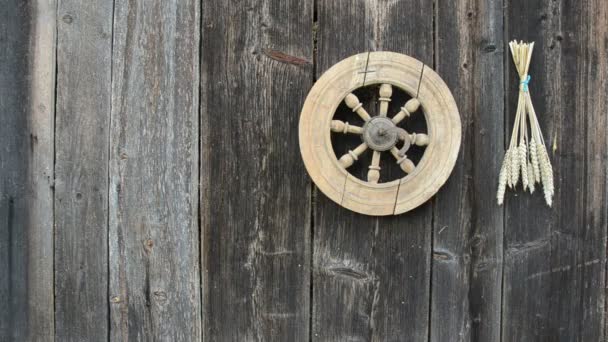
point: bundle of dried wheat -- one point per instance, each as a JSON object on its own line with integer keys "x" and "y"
{"x": 527, "y": 155}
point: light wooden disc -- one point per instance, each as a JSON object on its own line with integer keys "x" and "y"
{"x": 443, "y": 125}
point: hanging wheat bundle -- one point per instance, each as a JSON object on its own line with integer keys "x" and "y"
{"x": 526, "y": 158}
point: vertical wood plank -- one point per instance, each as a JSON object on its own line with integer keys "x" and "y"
{"x": 468, "y": 224}
{"x": 27, "y": 81}
{"x": 84, "y": 55}
{"x": 255, "y": 195}
{"x": 371, "y": 275}
{"x": 153, "y": 197}
{"x": 555, "y": 259}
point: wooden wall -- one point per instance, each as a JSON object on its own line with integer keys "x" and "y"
{"x": 151, "y": 186}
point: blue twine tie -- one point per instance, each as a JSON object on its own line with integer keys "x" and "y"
{"x": 525, "y": 83}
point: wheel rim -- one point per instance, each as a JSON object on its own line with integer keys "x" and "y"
{"x": 440, "y": 113}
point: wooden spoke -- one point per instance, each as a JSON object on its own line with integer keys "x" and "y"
{"x": 353, "y": 103}
{"x": 404, "y": 162}
{"x": 344, "y": 127}
{"x": 373, "y": 175}
{"x": 349, "y": 158}
{"x": 386, "y": 90}
{"x": 410, "y": 107}
{"x": 419, "y": 139}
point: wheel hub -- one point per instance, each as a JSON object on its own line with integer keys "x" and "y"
{"x": 379, "y": 134}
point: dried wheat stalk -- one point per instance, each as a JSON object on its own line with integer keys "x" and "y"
{"x": 527, "y": 154}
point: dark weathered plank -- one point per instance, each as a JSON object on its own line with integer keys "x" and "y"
{"x": 84, "y": 55}
{"x": 255, "y": 195}
{"x": 371, "y": 275}
{"x": 27, "y": 79}
{"x": 555, "y": 259}
{"x": 468, "y": 224}
{"x": 153, "y": 198}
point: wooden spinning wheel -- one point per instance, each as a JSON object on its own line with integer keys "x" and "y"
{"x": 381, "y": 133}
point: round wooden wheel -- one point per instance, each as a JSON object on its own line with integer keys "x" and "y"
{"x": 381, "y": 133}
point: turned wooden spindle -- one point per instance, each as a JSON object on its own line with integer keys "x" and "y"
{"x": 419, "y": 139}
{"x": 373, "y": 175}
{"x": 385, "y": 97}
{"x": 404, "y": 162}
{"x": 344, "y": 127}
{"x": 349, "y": 158}
{"x": 410, "y": 107}
{"x": 353, "y": 103}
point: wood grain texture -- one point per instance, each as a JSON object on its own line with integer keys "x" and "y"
{"x": 555, "y": 259}
{"x": 84, "y": 55}
{"x": 371, "y": 275}
{"x": 257, "y": 59}
{"x": 27, "y": 79}
{"x": 468, "y": 224}
{"x": 276, "y": 260}
{"x": 153, "y": 197}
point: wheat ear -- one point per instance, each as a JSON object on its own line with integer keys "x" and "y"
{"x": 507, "y": 166}
{"x": 534, "y": 158}
{"x": 502, "y": 179}
{"x": 546, "y": 174}
{"x": 531, "y": 177}
{"x": 523, "y": 162}
{"x": 514, "y": 166}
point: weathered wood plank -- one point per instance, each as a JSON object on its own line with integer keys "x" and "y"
{"x": 555, "y": 259}
{"x": 255, "y": 195}
{"x": 468, "y": 224}
{"x": 371, "y": 275}
{"x": 27, "y": 81}
{"x": 84, "y": 55}
{"x": 153, "y": 197}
